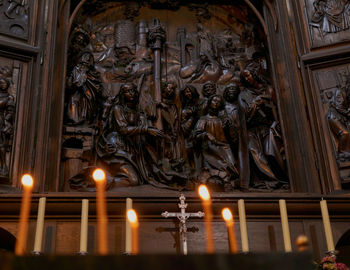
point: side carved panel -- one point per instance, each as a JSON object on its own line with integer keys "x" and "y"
{"x": 328, "y": 21}
{"x": 14, "y": 17}
{"x": 9, "y": 72}
{"x": 334, "y": 87}
{"x": 171, "y": 97}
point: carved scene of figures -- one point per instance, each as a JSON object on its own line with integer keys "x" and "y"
{"x": 7, "y": 119}
{"x": 173, "y": 105}
{"x": 329, "y": 21}
{"x": 334, "y": 87}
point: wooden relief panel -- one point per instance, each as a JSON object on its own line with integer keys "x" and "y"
{"x": 171, "y": 95}
{"x": 334, "y": 87}
{"x": 9, "y": 83}
{"x": 328, "y": 21}
{"x": 14, "y": 17}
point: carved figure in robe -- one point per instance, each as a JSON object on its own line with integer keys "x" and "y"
{"x": 330, "y": 15}
{"x": 189, "y": 117}
{"x": 219, "y": 167}
{"x": 121, "y": 146}
{"x": 238, "y": 132}
{"x": 170, "y": 122}
{"x": 262, "y": 131}
{"x": 7, "y": 111}
{"x": 338, "y": 119}
{"x": 84, "y": 88}
{"x": 209, "y": 89}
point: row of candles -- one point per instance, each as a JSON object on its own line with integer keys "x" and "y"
{"x": 132, "y": 224}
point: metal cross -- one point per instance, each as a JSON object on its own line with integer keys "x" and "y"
{"x": 183, "y": 216}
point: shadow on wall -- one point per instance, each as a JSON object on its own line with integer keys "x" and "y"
{"x": 7, "y": 241}
{"x": 343, "y": 246}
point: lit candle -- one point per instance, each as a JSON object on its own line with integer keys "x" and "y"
{"x": 102, "y": 222}
{"x": 39, "y": 226}
{"x": 27, "y": 183}
{"x": 206, "y": 202}
{"x": 132, "y": 217}
{"x": 285, "y": 226}
{"x": 243, "y": 225}
{"x": 128, "y": 235}
{"x": 84, "y": 226}
{"x": 227, "y": 216}
{"x": 327, "y": 225}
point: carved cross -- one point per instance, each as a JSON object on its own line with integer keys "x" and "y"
{"x": 183, "y": 216}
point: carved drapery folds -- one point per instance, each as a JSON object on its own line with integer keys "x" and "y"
{"x": 328, "y": 20}
{"x": 154, "y": 101}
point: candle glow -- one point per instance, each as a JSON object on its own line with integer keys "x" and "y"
{"x": 226, "y": 214}
{"x": 204, "y": 192}
{"x": 132, "y": 216}
{"x": 98, "y": 175}
{"x": 27, "y": 180}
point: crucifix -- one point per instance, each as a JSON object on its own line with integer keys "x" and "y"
{"x": 183, "y": 216}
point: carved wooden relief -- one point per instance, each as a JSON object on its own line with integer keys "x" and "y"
{"x": 171, "y": 95}
{"x": 9, "y": 75}
{"x": 14, "y": 17}
{"x": 328, "y": 21}
{"x": 334, "y": 87}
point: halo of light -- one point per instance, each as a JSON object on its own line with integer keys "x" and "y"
{"x": 204, "y": 192}
{"x": 226, "y": 214}
{"x": 27, "y": 180}
{"x": 132, "y": 216}
{"x": 98, "y": 175}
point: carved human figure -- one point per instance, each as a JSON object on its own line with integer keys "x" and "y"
{"x": 219, "y": 167}
{"x": 237, "y": 131}
{"x": 189, "y": 117}
{"x": 266, "y": 154}
{"x": 330, "y": 15}
{"x": 84, "y": 87}
{"x": 209, "y": 89}
{"x": 338, "y": 119}
{"x": 170, "y": 122}
{"x": 7, "y": 110}
{"x": 121, "y": 145}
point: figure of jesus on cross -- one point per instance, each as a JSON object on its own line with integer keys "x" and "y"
{"x": 183, "y": 216}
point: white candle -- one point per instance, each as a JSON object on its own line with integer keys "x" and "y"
{"x": 327, "y": 225}
{"x": 40, "y": 226}
{"x": 132, "y": 217}
{"x": 84, "y": 226}
{"x": 128, "y": 235}
{"x": 285, "y": 226}
{"x": 243, "y": 225}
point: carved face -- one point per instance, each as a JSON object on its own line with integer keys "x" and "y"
{"x": 188, "y": 93}
{"x": 130, "y": 94}
{"x": 215, "y": 103}
{"x": 231, "y": 92}
{"x": 169, "y": 90}
{"x": 3, "y": 84}
{"x": 248, "y": 77}
{"x": 209, "y": 89}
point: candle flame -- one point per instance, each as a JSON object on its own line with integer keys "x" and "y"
{"x": 98, "y": 175}
{"x": 27, "y": 180}
{"x": 226, "y": 214}
{"x": 204, "y": 192}
{"x": 132, "y": 216}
